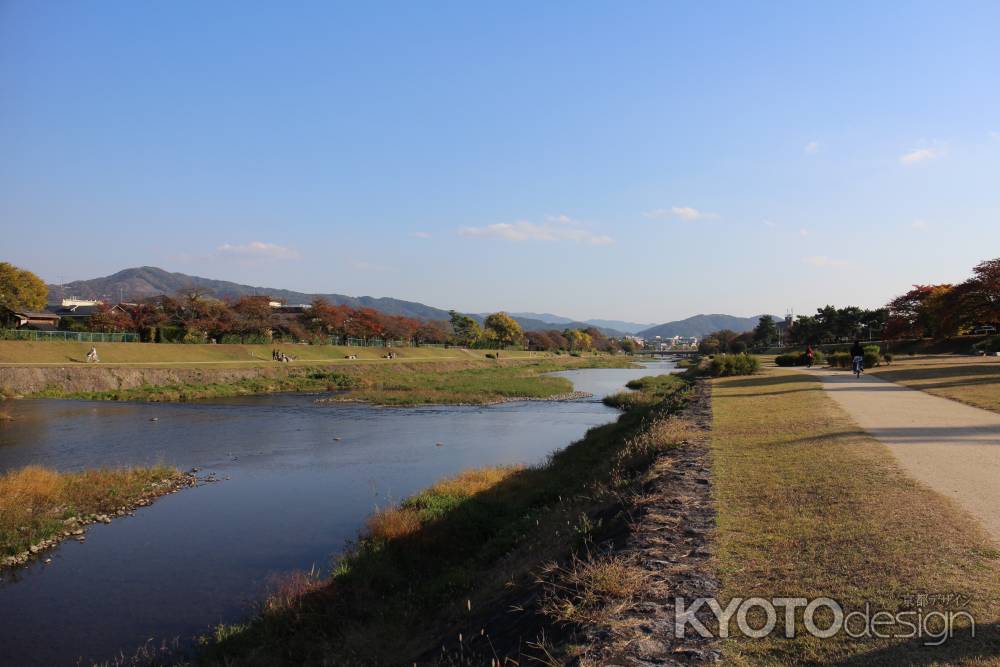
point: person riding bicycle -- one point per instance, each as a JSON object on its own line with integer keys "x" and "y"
{"x": 809, "y": 356}
{"x": 858, "y": 358}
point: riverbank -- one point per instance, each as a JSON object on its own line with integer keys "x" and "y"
{"x": 453, "y": 560}
{"x": 64, "y": 353}
{"x": 40, "y": 507}
{"x": 471, "y": 379}
{"x": 810, "y": 506}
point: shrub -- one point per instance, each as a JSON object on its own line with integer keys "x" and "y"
{"x": 798, "y": 358}
{"x": 737, "y": 347}
{"x": 725, "y": 365}
{"x": 646, "y": 392}
{"x": 845, "y": 360}
{"x": 888, "y": 357}
{"x": 789, "y": 359}
{"x": 839, "y": 359}
{"x": 988, "y": 345}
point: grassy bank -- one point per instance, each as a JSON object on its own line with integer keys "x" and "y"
{"x": 971, "y": 380}
{"x": 157, "y": 354}
{"x": 38, "y": 505}
{"x": 463, "y": 381}
{"x": 452, "y": 560}
{"x": 808, "y": 506}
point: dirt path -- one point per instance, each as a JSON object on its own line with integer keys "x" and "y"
{"x": 952, "y": 448}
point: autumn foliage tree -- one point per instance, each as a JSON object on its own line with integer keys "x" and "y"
{"x": 108, "y": 319}
{"x": 922, "y": 311}
{"x": 21, "y": 289}
{"x": 503, "y": 329}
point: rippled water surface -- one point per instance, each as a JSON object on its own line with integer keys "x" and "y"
{"x": 302, "y": 478}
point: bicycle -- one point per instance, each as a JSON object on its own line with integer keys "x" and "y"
{"x": 859, "y": 366}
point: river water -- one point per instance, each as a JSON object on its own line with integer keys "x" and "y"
{"x": 302, "y": 477}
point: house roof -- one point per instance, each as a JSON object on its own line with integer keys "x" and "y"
{"x": 71, "y": 311}
{"x": 35, "y": 315}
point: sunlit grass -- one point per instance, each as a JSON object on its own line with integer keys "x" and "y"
{"x": 971, "y": 380}
{"x": 809, "y": 505}
{"x": 35, "y": 501}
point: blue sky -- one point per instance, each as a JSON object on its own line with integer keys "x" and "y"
{"x": 642, "y": 161}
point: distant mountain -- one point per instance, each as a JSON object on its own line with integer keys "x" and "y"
{"x": 617, "y": 326}
{"x": 533, "y": 324}
{"x": 146, "y": 281}
{"x": 701, "y": 325}
{"x": 627, "y": 327}
{"x": 543, "y": 317}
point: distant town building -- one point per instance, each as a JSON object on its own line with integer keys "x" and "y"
{"x": 73, "y": 301}
{"x": 78, "y": 311}
{"x": 27, "y": 319}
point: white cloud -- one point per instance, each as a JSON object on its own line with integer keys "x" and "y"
{"x": 421, "y": 235}
{"x": 822, "y": 261}
{"x": 770, "y": 223}
{"x": 811, "y": 148}
{"x": 682, "y": 212}
{"x": 803, "y": 231}
{"x": 994, "y": 135}
{"x": 920, "y": 224}
{"x": 555, "y": 228}
{"x": 918, "y": 155}
{"x": 257, "y": 250}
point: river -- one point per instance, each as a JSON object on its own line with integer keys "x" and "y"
{"x": 299, "y": 479}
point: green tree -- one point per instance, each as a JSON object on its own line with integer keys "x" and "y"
{"x": 726, "y": 337}
{"x": 467, "y": 331}
{"x": 766, "y": 331}
{"x": 709, "y": 345}
{"x": 21, "y": 289}
{"x": 503, "y": 328}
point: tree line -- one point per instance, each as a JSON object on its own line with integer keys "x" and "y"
{"x": 194, "y": 316}
{"x": 927, "y": 311}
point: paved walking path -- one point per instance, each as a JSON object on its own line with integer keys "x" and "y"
{"x": 951, "y": 447}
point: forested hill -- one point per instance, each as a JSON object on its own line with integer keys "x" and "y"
{"x": 142, "y": 282}
{"x": 139, "y": 283}
{"x": 702, "y": 325}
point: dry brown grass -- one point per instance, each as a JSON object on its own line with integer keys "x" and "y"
{"x": 34, "y": 501}
{"x": 971, "y": 380}
{"x": 809, "y": 505}
{"x": 392, "y": 523}
{"x": 470, "y": 482}
{"x": 591, "y": 591}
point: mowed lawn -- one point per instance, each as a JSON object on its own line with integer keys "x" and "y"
{"x": 809, "y": 505}
{"x": 59, "y": 352}
{"x": 971, "y": 380}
